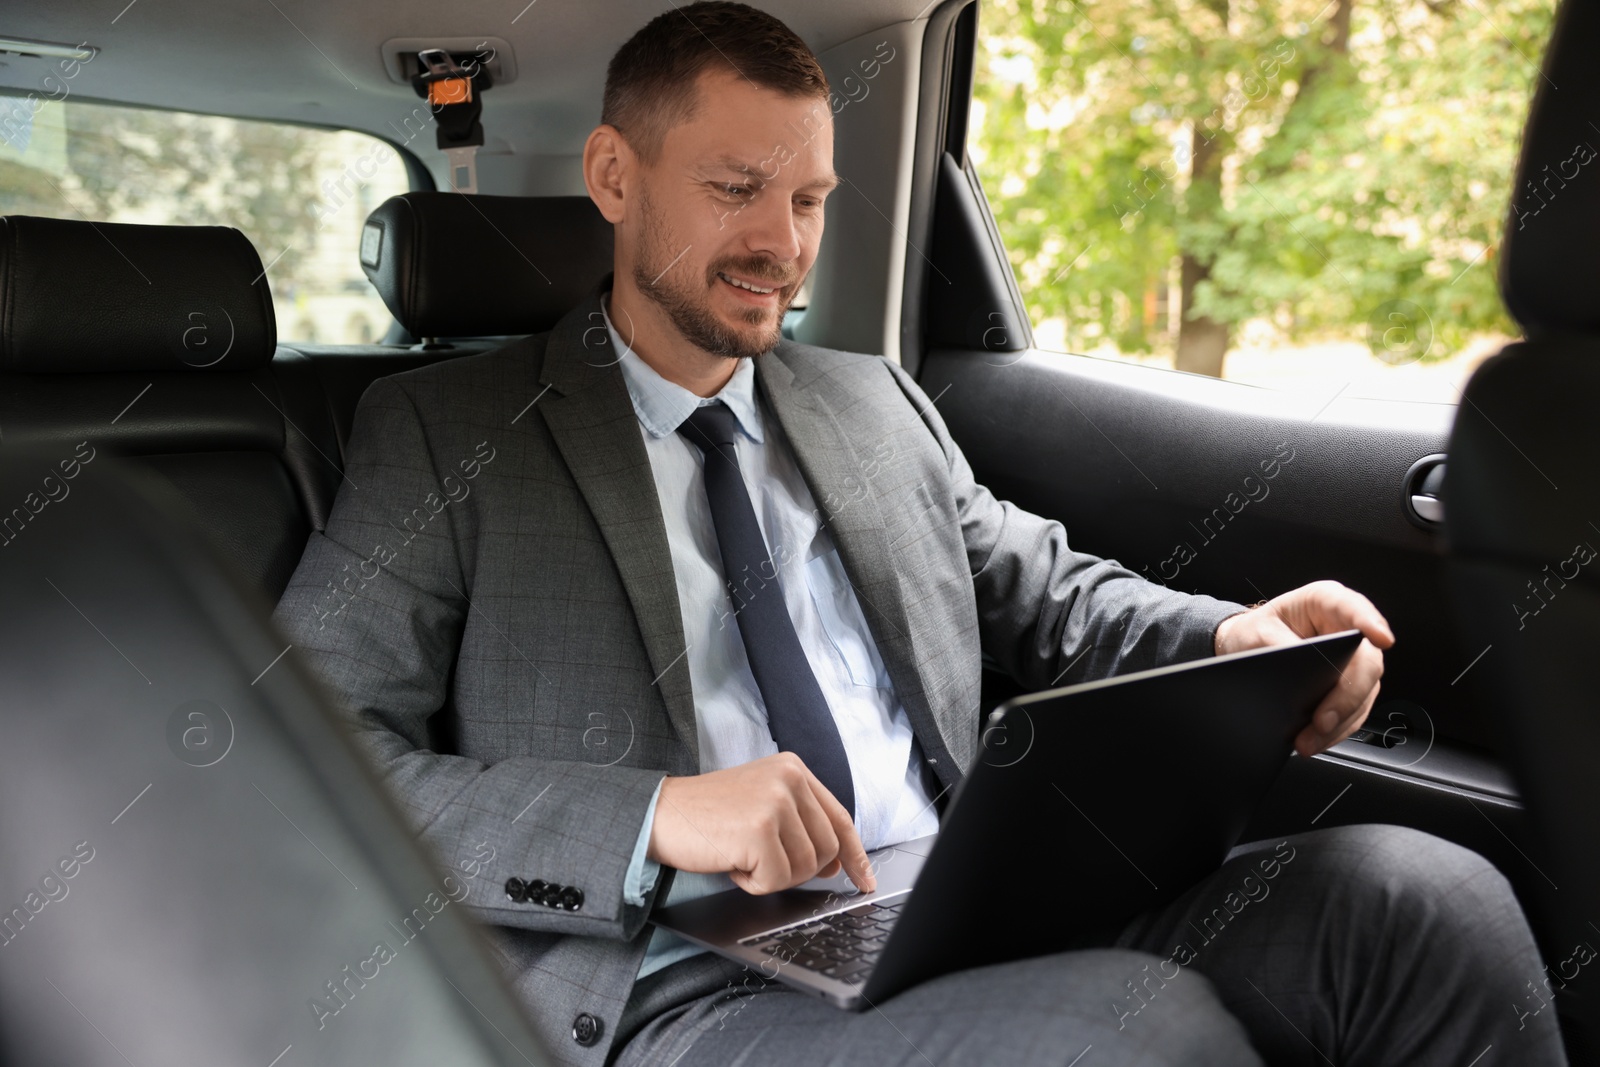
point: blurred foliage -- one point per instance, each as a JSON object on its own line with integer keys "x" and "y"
{"x": 125, "y": 163}
{"x": 1363, "y": 152}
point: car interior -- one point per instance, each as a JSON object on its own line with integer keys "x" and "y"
{"x": 218, "y": 467}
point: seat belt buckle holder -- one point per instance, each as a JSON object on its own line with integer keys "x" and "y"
{"x": 463, "y": 168}
{"x": 455, "y": 95}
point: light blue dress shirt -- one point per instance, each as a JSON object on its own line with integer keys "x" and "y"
{"x": 892, "y": 800}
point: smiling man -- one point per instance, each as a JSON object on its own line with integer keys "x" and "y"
{"x": 717, "y": 194}
{"x": 715, "y": 617}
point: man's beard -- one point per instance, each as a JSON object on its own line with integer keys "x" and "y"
{"x": 687, "y": 301}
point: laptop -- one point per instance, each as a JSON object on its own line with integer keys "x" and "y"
{"x": 1085, "y": 806}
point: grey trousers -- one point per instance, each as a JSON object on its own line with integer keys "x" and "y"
{"x": 1369, "y": 944}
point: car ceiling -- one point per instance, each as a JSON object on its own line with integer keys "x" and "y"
{"x": 319, "y": 61}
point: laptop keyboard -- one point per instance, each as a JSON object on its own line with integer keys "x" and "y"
{"x": 842, "y": 946}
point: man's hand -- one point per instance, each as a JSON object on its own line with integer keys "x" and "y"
{"x": 1319, "y": 608}
{"x": 770, "y": 824}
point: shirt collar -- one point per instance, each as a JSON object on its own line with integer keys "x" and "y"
{"x": 662, "y": 405}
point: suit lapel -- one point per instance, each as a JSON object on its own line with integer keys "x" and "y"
{"x": 834, "y": 470}
{"x": 594, "y": 425}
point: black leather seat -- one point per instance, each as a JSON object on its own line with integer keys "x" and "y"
{"x": 451, "y": 265}
{"x": 466, "y": 273}
{"x": 154, "y": 347}
{"x": 1522, "y": 515}
{"x": 164, "y": 780}
{"x": 158, "y": 343}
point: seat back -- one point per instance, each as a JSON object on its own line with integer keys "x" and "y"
{"x": 157, "y": 343}
{"x": 196, "y": 864}
{"x": 1522, "y": 513}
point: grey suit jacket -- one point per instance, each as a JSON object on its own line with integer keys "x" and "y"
{"x": 494, "y": 609}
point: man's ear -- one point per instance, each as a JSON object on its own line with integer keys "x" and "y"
{"x": 608, "y": 170}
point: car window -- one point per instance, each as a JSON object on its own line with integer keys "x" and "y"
{"x": 1302, "y": 195}
{"x": 301, "y": 194}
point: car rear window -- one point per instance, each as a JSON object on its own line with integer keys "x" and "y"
{"x": 301, "y": 194}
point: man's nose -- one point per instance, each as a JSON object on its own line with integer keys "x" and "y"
{"x": 770, "y": 226}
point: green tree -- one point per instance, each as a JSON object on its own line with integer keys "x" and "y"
{"x": 1306, "y": 160}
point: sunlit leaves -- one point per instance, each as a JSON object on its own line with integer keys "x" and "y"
{"x": 1351, "y": 176}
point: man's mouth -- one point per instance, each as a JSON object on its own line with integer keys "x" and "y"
{"x": 751, "y": 287}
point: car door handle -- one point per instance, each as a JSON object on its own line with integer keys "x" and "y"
{"x": 1429, "y": 508}
{"x": 1422, "y": 492}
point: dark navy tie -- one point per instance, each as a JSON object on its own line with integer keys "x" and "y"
{"x": 797, "y": 712}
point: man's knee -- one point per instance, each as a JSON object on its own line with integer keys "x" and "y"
{"x": 1384, "y": 856}
{"x": 1173, "y": 1014}
{"x": 1380, "y": 872}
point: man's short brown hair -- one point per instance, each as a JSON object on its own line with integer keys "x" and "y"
{"x": 650, "y": 83}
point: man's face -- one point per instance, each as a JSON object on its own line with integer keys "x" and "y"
{"x": 729, "y": 216}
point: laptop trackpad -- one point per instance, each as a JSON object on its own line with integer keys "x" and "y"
{"x": 733, "y": 914}
{"x": 895, "y": 867}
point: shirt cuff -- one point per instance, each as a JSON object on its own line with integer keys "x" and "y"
{"x": 642, "y": 871}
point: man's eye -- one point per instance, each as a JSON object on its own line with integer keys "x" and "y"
{"x": 739, "y": 192}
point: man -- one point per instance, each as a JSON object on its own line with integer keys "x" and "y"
{"x": 672, "y": 538}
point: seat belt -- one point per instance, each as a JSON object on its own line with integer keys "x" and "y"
{"x": 455, "y": 96}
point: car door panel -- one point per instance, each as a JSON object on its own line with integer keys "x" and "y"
{"x": 1134, "y": 461}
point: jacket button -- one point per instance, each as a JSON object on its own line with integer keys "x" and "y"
{"x": 572, "y": 898}
{"x": 517, "y": 890}
{"x": 549, "y": 896}
{"x": 586, "y": 1029}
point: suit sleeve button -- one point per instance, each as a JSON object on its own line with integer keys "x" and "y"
{"x": 572, "y": 898}
{"x": 517, "y": 890}
{"x": 586, "y": 1029}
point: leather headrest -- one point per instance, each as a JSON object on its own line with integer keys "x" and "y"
{"x": 1552, "y": 244}
{"x": 463, "y": 265}
{"x": 105, "y": 296}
